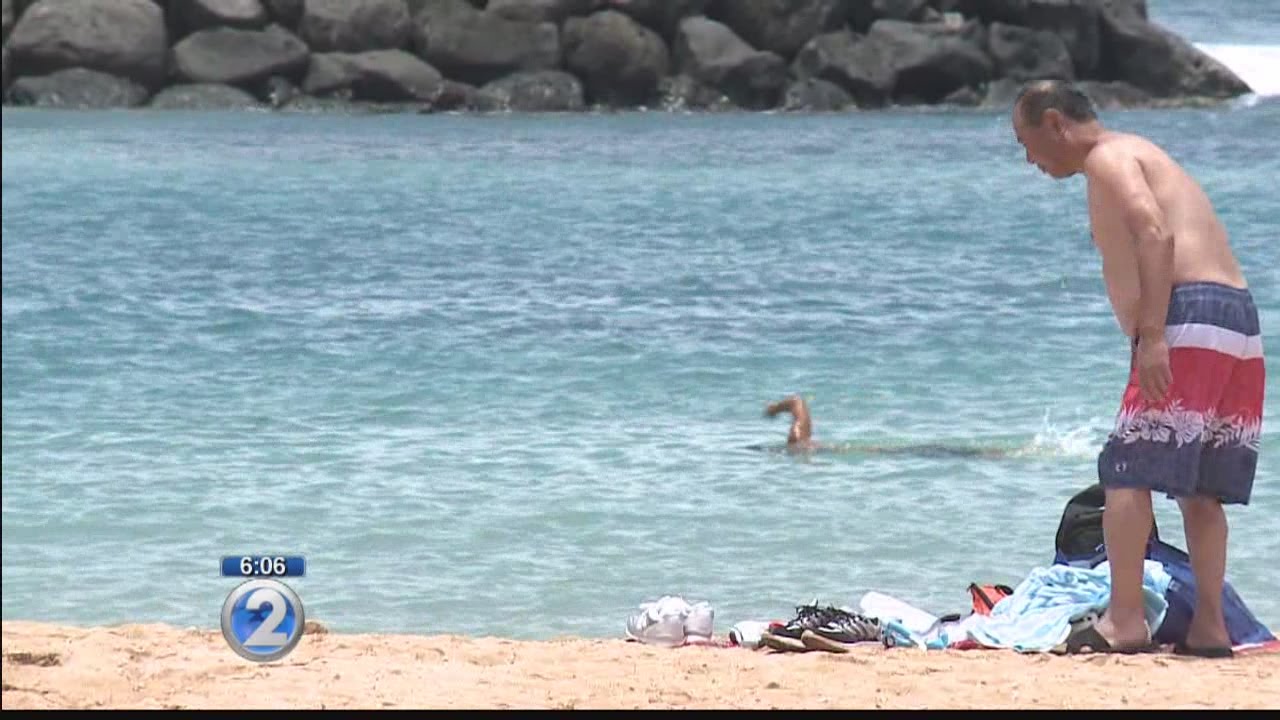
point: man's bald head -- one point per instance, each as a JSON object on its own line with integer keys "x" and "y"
{"x": 1041, "y": 96}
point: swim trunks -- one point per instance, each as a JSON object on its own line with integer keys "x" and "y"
{"x": 1203, "y": 438}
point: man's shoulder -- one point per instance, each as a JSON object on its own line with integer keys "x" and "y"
{"x": 1113, "y": 147}
{"x": 1116, "y": 150}
{"x": 1121, "y": 147}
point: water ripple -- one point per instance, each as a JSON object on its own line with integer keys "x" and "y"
{"x": 514, "y": 363}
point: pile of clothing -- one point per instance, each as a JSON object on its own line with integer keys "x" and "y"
{"x": 1053, "y": 610}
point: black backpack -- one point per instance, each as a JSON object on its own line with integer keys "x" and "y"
{"x": 1079, "y": 539}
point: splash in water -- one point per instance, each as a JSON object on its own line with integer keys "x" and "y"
{"x": 1082, "y": 441}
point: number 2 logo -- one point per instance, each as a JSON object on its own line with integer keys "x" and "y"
{"x": 254, "y": 637}
{"x": 266, "y": 634}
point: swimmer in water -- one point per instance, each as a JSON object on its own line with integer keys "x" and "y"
{"x": 800, "y": 437}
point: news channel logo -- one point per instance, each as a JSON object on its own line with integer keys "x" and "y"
{"x": 262, "y": 620}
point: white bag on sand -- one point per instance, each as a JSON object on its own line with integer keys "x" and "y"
{"x": 671, "y": 621}
{"x": 886, "y": 607}
{"x": 748, "y": 633}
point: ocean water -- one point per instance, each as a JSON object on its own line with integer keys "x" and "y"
{"x": 496, "y": 375}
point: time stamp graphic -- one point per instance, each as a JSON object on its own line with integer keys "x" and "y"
{"x": 262, "y": 618}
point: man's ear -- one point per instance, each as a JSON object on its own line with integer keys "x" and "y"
{"x": 1056, "y": 122}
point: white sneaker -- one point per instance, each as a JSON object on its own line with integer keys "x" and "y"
{"x": 700, "y": 621}
{"x": 660, "y": 622}
{"x": 671, "y": 621}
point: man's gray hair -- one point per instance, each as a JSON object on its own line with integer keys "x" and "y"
{"x": 1043, "y": 95}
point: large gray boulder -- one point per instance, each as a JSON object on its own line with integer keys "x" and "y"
{"x": 285, "y": 13}
{"x": 1125, "y": 8}
{"x": 244, "y": 58}
{"x": 373, "y": 76}
{"x": 534, "y": 91}
{"x": 417, "y": 6}
{"x": 681, "y": 93}
{"x": 203, "y": 96}
{"x": 661, "y": 15}
{"x": 711, "y": 53}
{"x": 931, "y": 60}
{"x": 858, "y": 66}
{"x": 79, "y": 89}
{"x": 1002, "y": 93}
{"x": 1074, "y": 21}
{"x": 196, "y": 15}
{"x": 862, "y": 13}
{"x": 1115, "y": 95}
{"x": 477, "y": 47}
{"x": 537, "y": 11}
{"x": 1151, "y": 58}
{"x": 120, "y": 37}
{"x": 619, "y": 60}
{"x": 779, "y": 26}
{"x": 456, "y": 96}
{"x": 1025, "y": 54}
{"x": 354, "y": 26}
{"x": 814, "y": 95}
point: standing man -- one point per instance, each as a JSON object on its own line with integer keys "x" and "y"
{"x": 1191, "y": 417}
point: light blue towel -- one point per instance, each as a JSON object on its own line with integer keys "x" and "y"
{"x": 1037, "y": 617}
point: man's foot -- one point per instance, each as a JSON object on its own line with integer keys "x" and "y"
{"x": 1123, "y": 637}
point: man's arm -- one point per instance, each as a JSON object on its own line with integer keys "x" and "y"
{"x": 1121, "y": 176}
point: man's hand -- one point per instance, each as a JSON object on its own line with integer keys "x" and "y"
{"x": 1154, "y": 374}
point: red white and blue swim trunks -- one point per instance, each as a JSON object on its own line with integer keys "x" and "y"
{"x": 1202, "y": 440}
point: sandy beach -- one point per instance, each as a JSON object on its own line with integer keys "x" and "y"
{"x": 159, "y": 666}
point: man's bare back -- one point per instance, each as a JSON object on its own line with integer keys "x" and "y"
{"x": 1201, "y": 252}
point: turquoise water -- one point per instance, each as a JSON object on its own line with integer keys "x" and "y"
{"x": 497, "y": 375}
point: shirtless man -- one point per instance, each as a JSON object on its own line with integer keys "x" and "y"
{"x": 800, "y": 437}
{"x": 1191, "y": 416}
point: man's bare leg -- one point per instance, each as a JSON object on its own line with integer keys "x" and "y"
{"x": 1126, "y": 526}
{"x": 1206, "y": 527}
{"x": 801, "y": 430}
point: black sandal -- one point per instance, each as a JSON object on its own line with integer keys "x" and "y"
{"x": 1211, "y": 653}
{"x": 1087, "y": 640}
